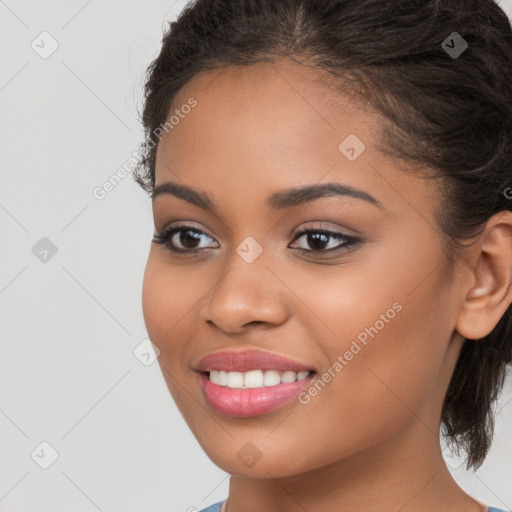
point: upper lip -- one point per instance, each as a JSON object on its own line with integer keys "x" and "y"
{"x": 246, "y": 360}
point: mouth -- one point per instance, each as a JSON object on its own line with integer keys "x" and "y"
{"x": 228, "y": 394}
{"x": 255, "y": 378}
{"x": 250, "y": 382}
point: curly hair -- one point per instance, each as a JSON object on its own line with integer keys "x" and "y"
{"x": 444, "y": 111}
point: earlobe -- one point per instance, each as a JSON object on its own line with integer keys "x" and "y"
{"x": 491, "y": 275}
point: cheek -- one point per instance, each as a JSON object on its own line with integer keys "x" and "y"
{"x": 168, "y": 297}
{"x": 387, "y": 377}
{"x": 156, "y": 306}
{"x": 391, "y": 335}
{"x": 169, "y": 294}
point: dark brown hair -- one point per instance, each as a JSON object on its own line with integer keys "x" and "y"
{"x": 444, "y": 112}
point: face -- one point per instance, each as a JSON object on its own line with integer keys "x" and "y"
{"x": 365, "y": 299}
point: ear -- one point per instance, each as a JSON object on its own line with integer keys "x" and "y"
{"x": 489, "y": 274}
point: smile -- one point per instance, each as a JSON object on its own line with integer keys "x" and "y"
{"x": 246, "y": 401}
{"x": 255, "y": 378}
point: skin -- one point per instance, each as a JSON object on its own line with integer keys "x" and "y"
{"x": 370, "y": 439}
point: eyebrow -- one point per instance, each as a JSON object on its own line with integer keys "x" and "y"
{"x": 277, "y": 201}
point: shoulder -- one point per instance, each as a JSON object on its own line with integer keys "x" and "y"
{"x": 216, "y": 507}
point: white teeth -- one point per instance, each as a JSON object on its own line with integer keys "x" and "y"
{"x": 272, "y": 377}
{"x": 235, "y": 379}
{"x": 302, "y": 375}
{"x": 220, "y": 378}
{"x": 288, "y": 376}
{"x": 254, "y": 378}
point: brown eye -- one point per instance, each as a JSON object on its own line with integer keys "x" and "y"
{"x": 188, "y": 239}
{"x": 319, "y": 239}
{"x": 181, "y": 239}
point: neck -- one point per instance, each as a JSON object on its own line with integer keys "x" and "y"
{"x": 406, "y": 472}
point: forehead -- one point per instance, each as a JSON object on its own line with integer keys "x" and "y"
{"x": 282, "y": 80}
{"x": 275, "y": 96}
{"x": 272, "y": 108}
{"x": 269, "y": 126}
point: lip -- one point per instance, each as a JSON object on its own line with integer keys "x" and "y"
{"x": 246, "y": 402}
{"x": 247, "y": 360}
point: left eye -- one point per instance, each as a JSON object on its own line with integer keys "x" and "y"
{"x": 189, "y": 236}
{"x": 318, "y": 238}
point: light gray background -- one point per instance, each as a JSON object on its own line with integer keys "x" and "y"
{"x": 70, "y": 324}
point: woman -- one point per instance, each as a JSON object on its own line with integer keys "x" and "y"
{"x": 330, "y": 279}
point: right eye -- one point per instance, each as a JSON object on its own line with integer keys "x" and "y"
{"x": 187, "y": 236}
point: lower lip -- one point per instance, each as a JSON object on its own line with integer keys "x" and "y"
{"x": 245, "y": 402}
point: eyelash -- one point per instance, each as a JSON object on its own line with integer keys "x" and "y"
{"x": 165, "y": 237}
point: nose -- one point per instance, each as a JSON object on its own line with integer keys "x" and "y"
{"x": 246, "y": 294}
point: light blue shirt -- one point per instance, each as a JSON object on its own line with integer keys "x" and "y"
{"x": 213, "y": 508}
{"x": 216, "y": 508}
